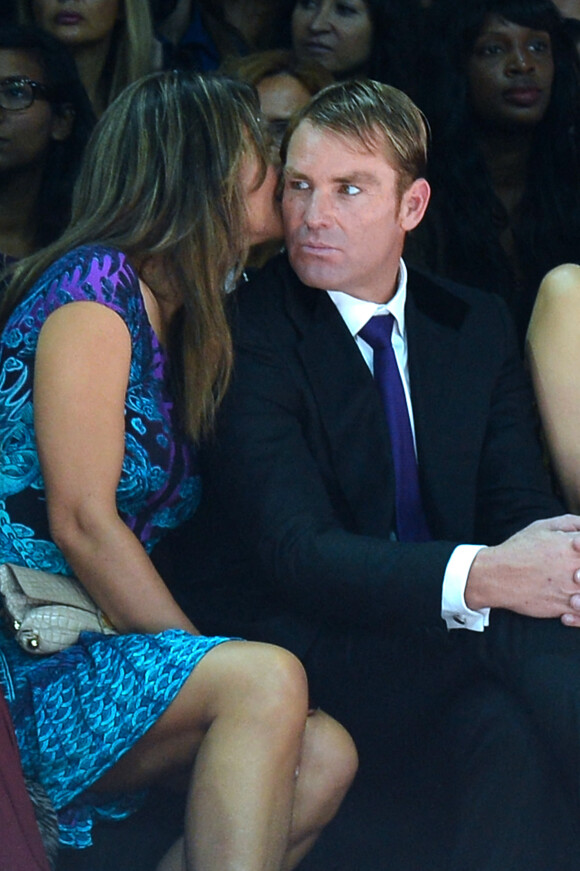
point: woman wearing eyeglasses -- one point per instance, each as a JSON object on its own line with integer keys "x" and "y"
{"x": 45, "y": 122}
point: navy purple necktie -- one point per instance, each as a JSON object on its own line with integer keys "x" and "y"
{"x": 411, "y": 522}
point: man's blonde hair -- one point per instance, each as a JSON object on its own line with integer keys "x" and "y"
{"x": 376, "y": 114}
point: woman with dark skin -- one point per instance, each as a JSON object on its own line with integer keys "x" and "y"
{"x": 502, "y": 95}
{"x": 45, "y": 122}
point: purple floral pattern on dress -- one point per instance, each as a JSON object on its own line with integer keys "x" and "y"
{"x": 159, "y": 485}
{"x": 77, "y": 712}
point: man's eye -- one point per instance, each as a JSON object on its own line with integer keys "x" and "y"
{"x": 350, "y": 190}
{"x": 296, "y": 184}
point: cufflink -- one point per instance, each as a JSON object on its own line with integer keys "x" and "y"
{"x": 458, "y": 618}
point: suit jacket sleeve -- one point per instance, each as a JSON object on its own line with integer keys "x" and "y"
{"x": 319, "y": 538}
{"x": 274, "y": 473}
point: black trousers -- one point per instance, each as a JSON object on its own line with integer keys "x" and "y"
{"x": 496, "y": 714}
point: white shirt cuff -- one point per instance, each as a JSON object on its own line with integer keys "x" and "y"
{"x": 453, "y": 608}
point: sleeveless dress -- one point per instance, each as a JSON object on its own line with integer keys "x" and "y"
{"x": 75, "y": 713}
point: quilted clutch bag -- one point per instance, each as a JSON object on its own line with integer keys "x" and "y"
{"x": 47, "y": 612}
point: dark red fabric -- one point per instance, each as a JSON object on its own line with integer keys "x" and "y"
{"x": 21, "y": 847}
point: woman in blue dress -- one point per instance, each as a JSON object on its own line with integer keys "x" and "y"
{"x": 114, "y": 353}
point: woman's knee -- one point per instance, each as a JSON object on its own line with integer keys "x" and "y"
{"x": 276, "y": 684}
{"x": 258, "y": 688}
{"x": 327, "y": 768}
{"x": 330, "y": 753}
{"x": 261, "y": 680}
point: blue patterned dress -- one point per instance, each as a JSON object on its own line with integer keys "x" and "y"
{"x": 77, "y": 712}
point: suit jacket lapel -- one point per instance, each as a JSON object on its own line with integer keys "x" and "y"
{"x": 350, "y": 410}
{"x": 434, "y": 318}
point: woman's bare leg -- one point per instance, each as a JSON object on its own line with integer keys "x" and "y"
{"x": 241, "y": 715}
{"x": 327, "y": 767}
{"x": 242, "y": 792}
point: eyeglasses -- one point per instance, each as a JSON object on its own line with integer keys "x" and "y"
{"x": 18, "y": 93}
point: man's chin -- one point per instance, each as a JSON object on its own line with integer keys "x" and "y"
{"x": 317, "y": 275}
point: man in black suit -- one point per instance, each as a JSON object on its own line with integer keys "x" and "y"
{"x": 392, "y": 628}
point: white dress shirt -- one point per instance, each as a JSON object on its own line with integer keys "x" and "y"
{"x": 355, "y": 313}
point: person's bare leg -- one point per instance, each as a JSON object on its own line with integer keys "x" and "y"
{"x": 328, "y": 765}
{"x": 242, "y": 792}
{"x": 243, "y": 712}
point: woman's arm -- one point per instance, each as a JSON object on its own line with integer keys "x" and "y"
{"x": 81, "y": 376}
{"x": 553, "y": 351}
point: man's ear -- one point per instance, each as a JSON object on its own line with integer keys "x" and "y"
{"x": 414, "y": 203}
{"x": 62, "y": 122}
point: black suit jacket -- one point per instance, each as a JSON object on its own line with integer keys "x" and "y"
{"x": 295, "y": 532}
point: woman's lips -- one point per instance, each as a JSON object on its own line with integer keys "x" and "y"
{"x": 525, "y": 96}
{"x": 68, "y": 18}
{"x": 317, "y": 48}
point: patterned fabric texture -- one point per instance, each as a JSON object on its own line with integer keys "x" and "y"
{"x": 160, "y": 485}
{"x": 77, "y": 712}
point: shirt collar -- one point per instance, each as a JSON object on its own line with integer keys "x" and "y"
{"x": 356, "y": 312}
